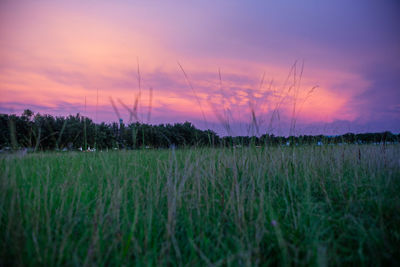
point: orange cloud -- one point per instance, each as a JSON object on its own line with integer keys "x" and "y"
{"x": 66, "y": 56}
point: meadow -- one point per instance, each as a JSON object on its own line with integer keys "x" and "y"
{"x": 302, "y": 205}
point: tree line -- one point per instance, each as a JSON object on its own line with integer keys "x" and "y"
{"x": 45, "y": 132}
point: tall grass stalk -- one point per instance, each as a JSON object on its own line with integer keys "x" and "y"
{"x": 305, "y": 205}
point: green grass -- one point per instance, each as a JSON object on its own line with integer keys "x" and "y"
{"x": 305, "y": 205}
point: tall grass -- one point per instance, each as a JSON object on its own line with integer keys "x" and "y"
{"x": 303, "y": 205}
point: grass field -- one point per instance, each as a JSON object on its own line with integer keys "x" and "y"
{"x": 305, "y": 205}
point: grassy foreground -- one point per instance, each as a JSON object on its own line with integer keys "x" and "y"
{"x": 305, "y": 205}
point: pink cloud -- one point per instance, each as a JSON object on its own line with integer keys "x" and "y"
{"x": 54, "y": 55}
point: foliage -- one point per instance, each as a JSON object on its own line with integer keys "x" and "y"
{"x": 45, "y": 132}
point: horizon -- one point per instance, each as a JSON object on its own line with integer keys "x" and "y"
{"x": 66, "y": 57}
{"x": 127, "y": 124}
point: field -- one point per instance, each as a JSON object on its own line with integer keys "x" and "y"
{"x": 305, "y": 205}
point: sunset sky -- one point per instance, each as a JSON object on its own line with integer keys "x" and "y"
{"x": 333, "y": 66}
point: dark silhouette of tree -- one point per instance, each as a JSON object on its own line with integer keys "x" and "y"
{"x": 45, "y": 132}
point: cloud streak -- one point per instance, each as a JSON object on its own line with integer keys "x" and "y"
{"x": 56, "y": 54}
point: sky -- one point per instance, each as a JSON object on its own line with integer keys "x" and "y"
{"x": 236, "y": 67}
